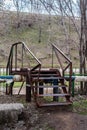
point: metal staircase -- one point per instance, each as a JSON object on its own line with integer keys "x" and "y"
{"x": 50, "y": 88}
{"x": 52, "y": 81}
{"x": 47, "y": 86}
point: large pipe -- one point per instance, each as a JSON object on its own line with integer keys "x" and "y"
{"x": 81, "y": 78}
{"x": 12, "y": 78}
{"x": 77, "y": 78}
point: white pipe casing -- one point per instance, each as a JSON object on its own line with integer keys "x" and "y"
{"x": 18, "y": 78}
{"x": 81, "y": 78}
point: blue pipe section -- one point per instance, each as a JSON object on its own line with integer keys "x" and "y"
{"x": 6, "y": 77}
{"x": 72, "y": 77}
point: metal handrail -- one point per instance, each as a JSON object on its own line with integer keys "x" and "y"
{"x": 54, "y": 47}
{"x": 61, "y": 53}
{"x": 9, "y": 63}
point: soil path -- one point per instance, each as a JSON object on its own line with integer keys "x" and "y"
{"x": 45, "y": 118}
{"x": 67, "y": 121}
{"x": 64, "y": 120}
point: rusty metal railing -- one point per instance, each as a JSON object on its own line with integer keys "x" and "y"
{"x": 13, "y": 58}
{"x": 63, "y": 68}
{"x": 19, "y": 56}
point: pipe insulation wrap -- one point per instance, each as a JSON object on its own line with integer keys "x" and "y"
{"x": 18, "y": 78}
{"x": 10, "y": 79}
{"x": 81, "y": 78}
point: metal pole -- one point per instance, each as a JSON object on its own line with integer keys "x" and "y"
{"x": 28, "y": 88}
{"x": 55, "y": 90}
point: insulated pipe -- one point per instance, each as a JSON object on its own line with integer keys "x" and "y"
{"x": 18, "y": 78}
{"x": 77, "y": 78}
{"x": 12, "y": 78}
{"x": 81, "y": 78}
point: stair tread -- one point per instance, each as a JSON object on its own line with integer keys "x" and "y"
{"x": 52, "y": 86}
{"x": 54, "y": 104}
{"x": 45, "y": 74}
{"x": 56, "y": 94}
{"x": 50, "y": 78}
{"x": 45, "y": 71}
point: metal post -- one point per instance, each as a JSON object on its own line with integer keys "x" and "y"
{"x": 55, "y": 90}
{"x": 41, "y": 89}
{"x": 73, "y": 85}
{"x": 28, "y": 89}
{"x": 11, "y": 88}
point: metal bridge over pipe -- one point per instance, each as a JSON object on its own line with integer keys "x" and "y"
{"x": 46, "y": 86}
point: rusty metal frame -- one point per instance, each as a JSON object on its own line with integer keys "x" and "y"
{"x": 10, "y": 59}
{"x": 36, "y": 70}
{"x": 10, "y": 69}
{"x": 69, "y": 65}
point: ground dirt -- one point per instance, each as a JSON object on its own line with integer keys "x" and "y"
{"x": 34, "y": 118}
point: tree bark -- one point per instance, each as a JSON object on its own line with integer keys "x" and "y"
{"x": 83, "y": 43}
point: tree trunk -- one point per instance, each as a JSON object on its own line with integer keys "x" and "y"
{"x": 83, "y": 44}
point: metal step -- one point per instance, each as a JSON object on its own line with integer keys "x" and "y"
{"x": 56, "y": 94}
{"x": 49, "y": 78}
{"x": 44, "y": 75}
{"x": 52, "y": 86}
{"x": 54, "y": 104}
{"x": 46, "y": 71}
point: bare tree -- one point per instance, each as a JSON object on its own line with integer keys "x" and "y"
{"x": 83, "y": 42}
{"x": 67, "y": 8}
{"x": 63, "y": 9}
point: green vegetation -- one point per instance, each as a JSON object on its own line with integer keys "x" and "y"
{"x": 48, "y": 127}
{"x": 17, "y": 84}
{"x": 80, "y": 106}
